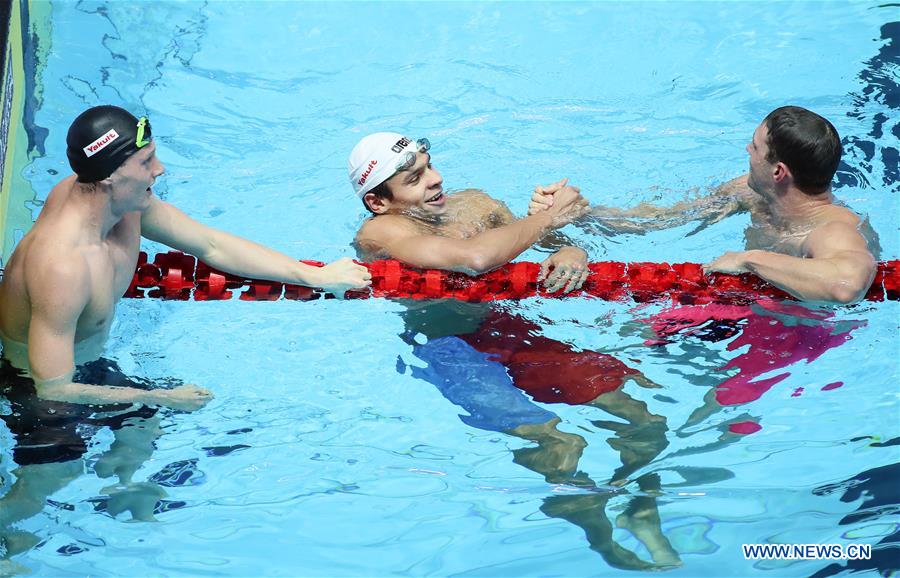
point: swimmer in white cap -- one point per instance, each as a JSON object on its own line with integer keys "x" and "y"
{"x": 62, "y": 283}
{"x": 415, "y": 221}
{"x": 469, "y": 350}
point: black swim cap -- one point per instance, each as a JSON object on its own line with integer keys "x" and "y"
{"x": 101, "y": 139}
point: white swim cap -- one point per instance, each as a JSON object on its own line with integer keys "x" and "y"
{"x": 378, "y": 156}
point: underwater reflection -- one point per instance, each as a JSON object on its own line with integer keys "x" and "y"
{"x": 51, "y": 441}
{"x": 485, "y": 359}
{"x": 881, "y": 493}
{"x": 770, "y": 336}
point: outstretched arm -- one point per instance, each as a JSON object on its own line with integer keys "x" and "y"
{"x": 166, "y": 224}
{"x": 727, "y": 199}
{"x": 397, "y": 237}
{"x": 59, "y": 290}
{"x": 838, "y": 266}
{"x": 392, "y": 237}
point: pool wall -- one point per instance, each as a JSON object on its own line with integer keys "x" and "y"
{"x": 25, "y": 37}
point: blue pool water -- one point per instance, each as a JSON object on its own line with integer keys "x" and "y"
{"x": 325, "y": 453}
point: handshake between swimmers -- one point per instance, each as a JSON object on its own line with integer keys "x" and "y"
{"x": 61, "y": 284}
{"x": 800, "y": 239}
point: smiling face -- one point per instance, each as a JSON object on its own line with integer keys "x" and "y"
{"x": 419, "y": 188}
{"x": 131, "y": 182}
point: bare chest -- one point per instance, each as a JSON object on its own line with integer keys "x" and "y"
{"x": 466, "y": 217}
{"x": 111, "y": 268}
{"x": 460, "y": 230}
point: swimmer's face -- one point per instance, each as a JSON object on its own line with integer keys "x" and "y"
{"x": 132, "y": 181}
{"x": 760, "y": 179}
{"x": 418, "y": 188}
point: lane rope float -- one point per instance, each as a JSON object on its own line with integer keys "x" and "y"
{"x": 178, "y": 276}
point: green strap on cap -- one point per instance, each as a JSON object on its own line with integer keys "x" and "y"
{"x": 139, "y": 141}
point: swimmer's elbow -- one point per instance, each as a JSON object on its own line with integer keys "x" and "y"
{"x": 208, "y": 251}
{"x": 57, "y": 390}
{"x": 851, "y": 288}
{"x": 857, "y": 281}
{"x": 478, "y": 263}
{"x": 845, "y": 296}
{"x": 468, "y": 257}
{"x": 848, "y": 292}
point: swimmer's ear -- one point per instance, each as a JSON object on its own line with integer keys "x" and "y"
{"x": 781, "y": 172}
{"x": 376, "y": 204}
{"x": 108, "y": 181}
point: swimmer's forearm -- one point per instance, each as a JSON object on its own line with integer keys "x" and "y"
{"x": 184, "y": 397}
{"x": 833, "y": 280}
{"x": 310, "y": 276}
{"x": 496, "y": 247}
{"x": 555, "y": 240}
{"x": 68, "y": 391}
{"x": 646, "y": 217}
{"x": 728, "y": 199}
{"x": 610, "y": 221}
{"x": 246, "y": 258}
{"x": 638, "y": 220}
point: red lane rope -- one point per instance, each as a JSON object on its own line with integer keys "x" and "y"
{"x": 179, "y": 276}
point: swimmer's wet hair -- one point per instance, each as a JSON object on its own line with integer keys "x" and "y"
{"x": 382, "y": 191}
{"x": 101, "y": 139}
{"x": 807, "y": 143}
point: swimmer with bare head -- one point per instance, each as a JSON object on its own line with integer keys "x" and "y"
{"x": 800, "y": 238}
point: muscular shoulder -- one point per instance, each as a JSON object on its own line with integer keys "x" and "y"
{"x": 840, "y": 232}
{"x": 487, "y": 206}
{"x": 473, "y": 194}
{"x": 388, "y": 227}
{"x": 477, "y": 197}
{"x": 376, "y": 234}
{"x": 45, "y": 265}
{"x": 56, "y": 278}
{"x": 738, "y": 192}
{"x": 838, "y": 215}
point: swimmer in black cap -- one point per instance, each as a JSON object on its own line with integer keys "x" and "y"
{"x": 62, "y": 283}
{"x": 102, "y": 138}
